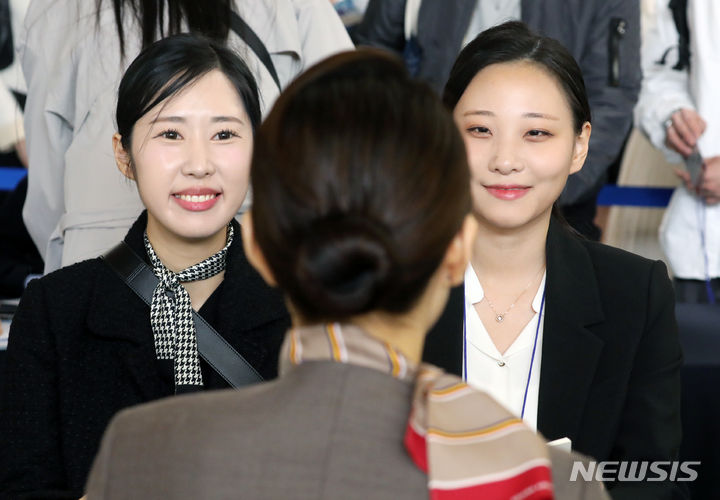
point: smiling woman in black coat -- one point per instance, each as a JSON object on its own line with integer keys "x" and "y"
{"x": 83, "y": 345}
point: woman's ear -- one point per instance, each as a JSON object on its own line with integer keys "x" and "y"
{"x": 122, "y": 157}
{"x": 252, "y": 250}
{"x": 582, "y": 145}
{"x": 458, "y": 253}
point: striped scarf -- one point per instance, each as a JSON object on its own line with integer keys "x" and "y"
{"x": 468, "y": 444}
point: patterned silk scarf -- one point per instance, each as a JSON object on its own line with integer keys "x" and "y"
{"x": 468, "y": 444}
{"x": 171, "y": 314}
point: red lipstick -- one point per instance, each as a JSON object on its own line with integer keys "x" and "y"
{"x": 508, "y": 191}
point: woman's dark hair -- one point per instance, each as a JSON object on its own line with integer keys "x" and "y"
{"x": 161, "y": 18}
{"x": 360, "y": 182}
{"x": 513, "y": 41}
{"x": 168, "y": 66}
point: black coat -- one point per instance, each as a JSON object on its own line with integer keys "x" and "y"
{"x": 81, "y": 349}
{"x": 611, "y": 358}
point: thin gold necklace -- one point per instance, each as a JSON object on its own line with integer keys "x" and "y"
{"x": 501, "y": 317}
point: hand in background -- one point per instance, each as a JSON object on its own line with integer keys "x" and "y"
{"x": 709, "y": 185}
{"x": 684, "y": 128}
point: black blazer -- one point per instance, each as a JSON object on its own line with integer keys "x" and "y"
{"x": 611, "y": 358}
{"x": 81, "y": 349}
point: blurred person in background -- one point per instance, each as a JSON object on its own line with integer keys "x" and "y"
{"x": 73, "y": 54}
{"x": 19, "y": 257}
{"x": 602, "y": 35}
{"x": 350, "y": 11}
{"x": 679, "y": 110}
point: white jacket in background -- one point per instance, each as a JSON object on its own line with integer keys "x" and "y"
{"x": 664, "y": 91}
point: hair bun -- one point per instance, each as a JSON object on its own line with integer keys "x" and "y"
{"x": 343, "y": 266}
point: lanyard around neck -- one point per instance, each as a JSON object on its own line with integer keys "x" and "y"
{"x": 532, "y": 358}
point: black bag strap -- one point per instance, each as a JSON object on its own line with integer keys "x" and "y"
{"x": 212, "y": 347}
{"x": 244, "y": 31}
{"x": 679, "y": 13}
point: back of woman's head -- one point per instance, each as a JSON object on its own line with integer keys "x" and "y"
{"x": 514, "y": 42}
{"x": 360, "y": 183}
{"x": 172, "y": 64}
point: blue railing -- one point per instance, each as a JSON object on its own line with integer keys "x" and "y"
{"x": 10, "y": 177}
{"x": 634, "y": 196}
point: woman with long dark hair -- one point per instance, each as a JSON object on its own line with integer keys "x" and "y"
{"x": 84, "y": 343}
{"x": 73, "y": 56}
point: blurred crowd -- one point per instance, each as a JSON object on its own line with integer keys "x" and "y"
{"x": 69, "y": 223}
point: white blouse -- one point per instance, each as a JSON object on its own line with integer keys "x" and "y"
{"x": 503, "y": 376}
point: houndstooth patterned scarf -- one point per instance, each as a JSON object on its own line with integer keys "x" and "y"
{"x": 171, "y": 313}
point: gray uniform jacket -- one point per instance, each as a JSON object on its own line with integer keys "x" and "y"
{"x": 323, "y": 431}
{"x": 602, "y": 35}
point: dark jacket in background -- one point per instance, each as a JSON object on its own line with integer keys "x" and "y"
{"x": 18, "y": 255}
{"x": 602, "y": 35}
{"x": 611, "y": 358}
{"x": 81, "y": 349}
{"x": 7, "y": 50}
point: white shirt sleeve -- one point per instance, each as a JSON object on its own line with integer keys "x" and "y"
{"x": 664, "y": 89}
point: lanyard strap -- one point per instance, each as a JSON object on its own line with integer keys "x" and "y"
{"x": 244, "y": 31}
{"x": 532, "y": 358}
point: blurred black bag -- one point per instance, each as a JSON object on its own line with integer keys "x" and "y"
{"x": 679, "y": 13}
{"x": 7, "y": 52}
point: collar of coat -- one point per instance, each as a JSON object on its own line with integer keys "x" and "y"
{"x": 245, "y": 302}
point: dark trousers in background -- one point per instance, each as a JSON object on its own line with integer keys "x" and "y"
{"x": 699, "y": 328}
{"x": 696, "y": 291}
